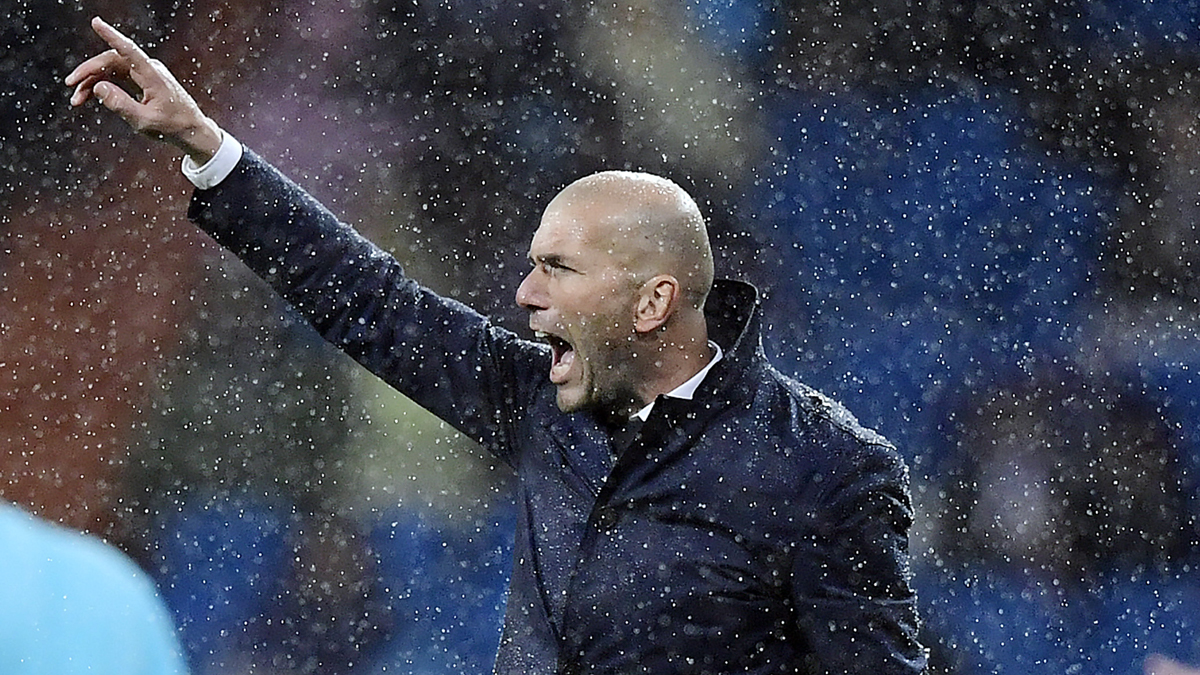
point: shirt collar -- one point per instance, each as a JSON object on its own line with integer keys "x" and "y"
{"x": 688, "y": 389}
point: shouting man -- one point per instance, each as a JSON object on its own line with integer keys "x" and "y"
{"x": 683, "y": 507}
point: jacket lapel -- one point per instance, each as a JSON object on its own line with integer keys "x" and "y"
{"x": 583, "y": 448}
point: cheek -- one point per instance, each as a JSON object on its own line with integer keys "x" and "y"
{"x": 605, "y": 329}
{"x": 600, "y": 312}
{"x": 612, "y": 309}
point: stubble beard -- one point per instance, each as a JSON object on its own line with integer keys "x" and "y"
{"x": 612, "y": 396}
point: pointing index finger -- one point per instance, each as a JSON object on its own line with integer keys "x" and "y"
{"x": 127, "y": 48}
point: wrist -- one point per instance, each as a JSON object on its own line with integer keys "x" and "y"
{"x": 202, "y": 141}
{"x": 210, "y": 174}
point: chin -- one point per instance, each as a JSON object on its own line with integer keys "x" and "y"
{"x": 580, "y": 398}
{"x": 568, "y": 403}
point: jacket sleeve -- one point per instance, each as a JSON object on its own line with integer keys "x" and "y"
{"x": 446, "y": 357}
{"x": 850, "y": 581}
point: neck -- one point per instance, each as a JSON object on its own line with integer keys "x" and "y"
{"x": 670, "y": 361}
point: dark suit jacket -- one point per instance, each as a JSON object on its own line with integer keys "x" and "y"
{"x": 757, "y": 528}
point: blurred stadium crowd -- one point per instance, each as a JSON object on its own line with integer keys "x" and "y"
{"x": 975, "y": 224}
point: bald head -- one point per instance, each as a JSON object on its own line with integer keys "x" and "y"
{"x": 647, "y": 222}
{"x": 621, "y": 267}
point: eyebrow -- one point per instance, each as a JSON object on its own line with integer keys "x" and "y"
{"x": 552, "y": 259}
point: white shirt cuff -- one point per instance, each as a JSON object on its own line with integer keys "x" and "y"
{"x": 216, "y": 169}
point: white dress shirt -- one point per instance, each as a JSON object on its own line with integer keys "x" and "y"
{"x": 688, "y": 389}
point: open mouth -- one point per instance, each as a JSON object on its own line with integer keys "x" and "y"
{"x": 563, "y": 356}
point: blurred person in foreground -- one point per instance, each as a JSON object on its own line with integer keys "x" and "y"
{"x": 683, "y": 507}
{"x": 76, "y": 605}
{"x": 1161, "y": 665}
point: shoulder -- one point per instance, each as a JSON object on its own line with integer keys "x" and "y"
{"x": 57, "y": 555}
{"x": 793, "y": 407}
{"x": 818, "y": 445}
{"x": 83, "y": 604}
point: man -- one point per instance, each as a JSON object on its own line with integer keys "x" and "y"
{"x": 683, "y": 507}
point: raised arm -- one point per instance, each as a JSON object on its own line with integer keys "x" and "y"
{"x": 162, "y": 109}
{"x": 444, "y": 356}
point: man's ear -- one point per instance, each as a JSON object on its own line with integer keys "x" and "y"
{"x": 656, "y": 301}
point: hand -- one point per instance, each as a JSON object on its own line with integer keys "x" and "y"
{"x": 163, "y": 109}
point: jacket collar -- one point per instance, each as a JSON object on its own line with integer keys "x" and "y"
{"x": 734, "y": 322}
{"x": 732, "y": 314}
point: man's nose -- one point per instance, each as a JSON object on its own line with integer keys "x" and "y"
{"x": 529, "y": 295}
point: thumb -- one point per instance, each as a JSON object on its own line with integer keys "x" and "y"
{"x": 115, "y": 99}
